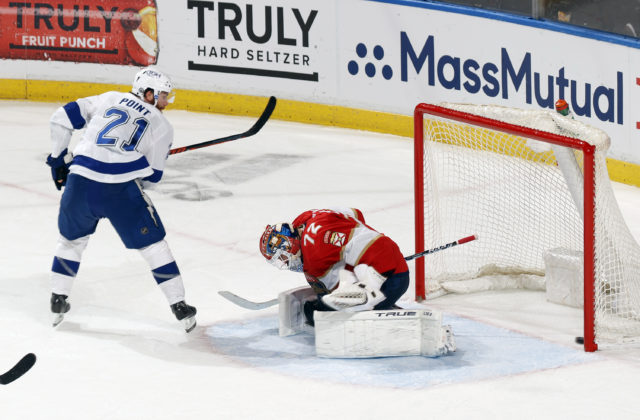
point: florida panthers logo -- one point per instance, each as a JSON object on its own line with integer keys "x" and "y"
{"x": 335, "y": 238}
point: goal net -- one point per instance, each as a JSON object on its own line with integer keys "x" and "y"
{"x": 527, "y": 183}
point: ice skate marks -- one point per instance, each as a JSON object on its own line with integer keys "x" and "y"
{"x": 484, "y": 352}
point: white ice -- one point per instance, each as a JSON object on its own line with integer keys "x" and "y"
{"x": 120, "y": 354}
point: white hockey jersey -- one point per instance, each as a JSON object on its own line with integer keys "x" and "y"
{"x": 125, "y": 137}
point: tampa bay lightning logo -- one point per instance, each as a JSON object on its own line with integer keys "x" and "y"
{"x": 371, "y": 67}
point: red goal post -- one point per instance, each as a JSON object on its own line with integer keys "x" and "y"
{"x": 477, "y": 132}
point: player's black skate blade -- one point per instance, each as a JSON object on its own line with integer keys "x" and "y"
{"x": 185, "y": 314}
{"x": 59, "y": 307}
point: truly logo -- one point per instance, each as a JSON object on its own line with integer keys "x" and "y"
{"x": 255, "y": 40}
{"x": 87, "y": 31}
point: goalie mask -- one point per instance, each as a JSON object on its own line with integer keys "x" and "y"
{"x": 280, "y": 245}
{"x": 151, "y": 78}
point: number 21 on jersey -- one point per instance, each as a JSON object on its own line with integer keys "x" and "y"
{"x": 119, "y": 128}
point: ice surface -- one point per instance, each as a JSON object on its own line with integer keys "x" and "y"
{"x": 120, "y": 354}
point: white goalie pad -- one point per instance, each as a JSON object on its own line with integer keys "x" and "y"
{"x": 290, "y": 310}
{"x": 382, "y": 334}
{"x": 564, "y": 276}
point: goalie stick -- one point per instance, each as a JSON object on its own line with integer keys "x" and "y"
{"x": 250, "y": 132}
{"x": 441, "y": 247}
{"x": 19, "y": 369}
{"x": 247, "y": 304}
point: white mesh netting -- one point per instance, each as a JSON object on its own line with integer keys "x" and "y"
{"x": 523, "y": 197}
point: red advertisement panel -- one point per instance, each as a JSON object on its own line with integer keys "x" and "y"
{"x": 91, "y": 31}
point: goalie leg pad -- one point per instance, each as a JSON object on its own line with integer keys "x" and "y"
{"x": 382, "y": 334}
{"x": 291, "y": 310}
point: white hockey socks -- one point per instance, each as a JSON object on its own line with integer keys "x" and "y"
{"x": 164, "y": 270}
{"x": 66, "y": 262}
{"x": 357, "y": 291}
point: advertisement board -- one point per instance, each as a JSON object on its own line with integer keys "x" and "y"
{"x": 408, "y": 55}
{"x": 389, "y": 57}
{"x": 89, "y": 31}
{"x": 352, "y": 54}
{"x": 254, "y": 47}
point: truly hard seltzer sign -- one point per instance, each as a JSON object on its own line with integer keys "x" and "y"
{"x": 254, "y": 39}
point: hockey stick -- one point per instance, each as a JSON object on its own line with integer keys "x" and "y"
{"x": 247, "y": 304}
{"x": 250, "y": 132}
{"x": 19, "y": 369}
{"x": 441, "y": 247}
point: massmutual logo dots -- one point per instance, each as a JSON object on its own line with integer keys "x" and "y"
{"x": 374, "y": 63}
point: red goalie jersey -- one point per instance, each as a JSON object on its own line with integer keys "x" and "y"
{"x": 332, "y": 240}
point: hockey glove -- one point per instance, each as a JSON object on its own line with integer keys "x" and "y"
{"x": 60, "y": 168}
{"x": 356, "y": 292}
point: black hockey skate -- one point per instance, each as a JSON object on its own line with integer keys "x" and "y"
{"x": 59, "y": 307}
{"x": 185, "y": 314}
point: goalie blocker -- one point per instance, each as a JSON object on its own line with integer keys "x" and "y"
{"x": 414, "y": 332}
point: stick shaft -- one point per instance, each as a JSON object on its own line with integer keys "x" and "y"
{"x": 246, "y": 303}
{"x": 264, "y": 117}
{"x": 442, "y": 247}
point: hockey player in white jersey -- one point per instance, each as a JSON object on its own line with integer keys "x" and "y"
{"x": 125, "y": 146}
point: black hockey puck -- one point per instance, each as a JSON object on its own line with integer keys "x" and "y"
{"x": 580, "y": 340}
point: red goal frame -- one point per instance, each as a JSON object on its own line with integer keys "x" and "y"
{"x": 588, "y": 151}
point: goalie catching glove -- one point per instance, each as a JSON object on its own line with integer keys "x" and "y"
{"x": 357, "y": 291}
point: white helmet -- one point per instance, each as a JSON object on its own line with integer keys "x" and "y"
{"x": 151, "y": 78}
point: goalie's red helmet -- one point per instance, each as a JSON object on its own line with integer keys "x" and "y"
{"x": 280, "y": 245}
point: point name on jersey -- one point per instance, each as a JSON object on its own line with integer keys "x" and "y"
{"x": 132, "y": 103}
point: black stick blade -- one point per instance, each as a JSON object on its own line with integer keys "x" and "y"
{"x": 19, "y": 369}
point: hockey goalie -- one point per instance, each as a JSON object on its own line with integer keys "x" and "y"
{"x": 356, "y": 275}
